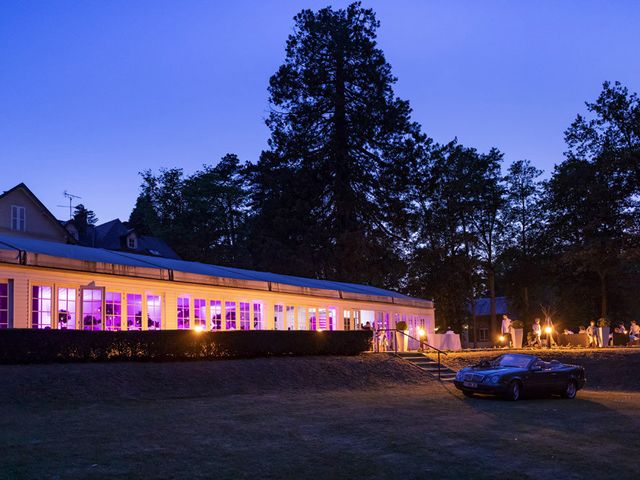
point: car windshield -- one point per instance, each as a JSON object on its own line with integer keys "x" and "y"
{"x": 516, "y": 361}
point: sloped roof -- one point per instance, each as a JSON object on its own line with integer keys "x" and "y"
{"x": 43, "y": 209}
{"x": 88, "y": 254}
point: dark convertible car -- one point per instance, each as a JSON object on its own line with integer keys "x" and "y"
{"x": 513, "y": 375}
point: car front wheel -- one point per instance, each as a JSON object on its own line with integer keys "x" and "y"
{"x": 513, "y": 391}
{"x": 570, "y": 390}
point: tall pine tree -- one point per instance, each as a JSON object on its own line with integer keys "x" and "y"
{"x": 333, "y": 185}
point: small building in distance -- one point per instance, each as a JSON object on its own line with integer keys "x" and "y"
{"x": 481, "y": 312}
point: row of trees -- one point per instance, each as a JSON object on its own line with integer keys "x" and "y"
{"x": 351, "y": 189}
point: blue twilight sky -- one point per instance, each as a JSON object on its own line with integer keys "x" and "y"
{"x": 92, "y": 92}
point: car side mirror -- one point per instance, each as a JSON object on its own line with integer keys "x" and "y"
{"x": 536, "y": 368}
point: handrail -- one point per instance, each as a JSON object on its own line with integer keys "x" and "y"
{"x": 422, "y": 344}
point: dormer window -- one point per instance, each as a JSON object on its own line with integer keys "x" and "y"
{"x": 18, "y": 218}
{"x": 132, "y": 242}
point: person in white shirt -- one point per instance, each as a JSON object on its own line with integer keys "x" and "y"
{"x": 537, "y": 333}
{"x": 506, "y": 329}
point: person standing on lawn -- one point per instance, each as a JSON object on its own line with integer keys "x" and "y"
{"x": 506, "y": 329}
{"x": 537, "y": 333}
{"x": 592, "y": 333}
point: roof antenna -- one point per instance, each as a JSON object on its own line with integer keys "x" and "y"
{"x": 71, "y": 197}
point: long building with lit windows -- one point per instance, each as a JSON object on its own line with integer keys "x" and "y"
{"x": 49, "y": 282}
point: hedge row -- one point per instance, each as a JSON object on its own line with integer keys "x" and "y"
{"x": 45, "y": 346}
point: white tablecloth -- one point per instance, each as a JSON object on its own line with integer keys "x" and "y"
{"x": 445, "y": 341}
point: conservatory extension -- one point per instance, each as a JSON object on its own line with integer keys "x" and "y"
{"x": 51, "y": 285}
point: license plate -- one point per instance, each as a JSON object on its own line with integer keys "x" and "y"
{"x": 470, "y": 384}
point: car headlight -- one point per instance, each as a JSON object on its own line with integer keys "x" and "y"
{"x": 459, "y": 375}
{"x": 493, "y": 379}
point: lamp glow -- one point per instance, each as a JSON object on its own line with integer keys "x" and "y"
{"x": 198, "y": 329}
{"x": 548, "y": 330}
{"x": 501, "y": 338}
{"x": 421, "y": 332}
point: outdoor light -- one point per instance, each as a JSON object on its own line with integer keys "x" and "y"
{"x": 198, "y": 329}
{"x": 420, "y": 332}
{"x": 548, "y": 330}
{"x": 501, "y": 338}
{"x": 319, "y": 330}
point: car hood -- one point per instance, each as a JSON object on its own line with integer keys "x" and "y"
{"x": 491, "y": 370}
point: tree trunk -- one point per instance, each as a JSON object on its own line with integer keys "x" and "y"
{"x": 603, "y": 295}
{"x": 492, "y": 293}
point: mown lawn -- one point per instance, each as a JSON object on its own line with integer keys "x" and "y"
{"x": 363, "y": 417}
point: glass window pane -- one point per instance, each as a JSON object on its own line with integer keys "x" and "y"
{"x": 200, "y": 312}
{"x": 215, "y": 307}
{"x": 40, "y": 307}
{"x": 230, "y": 315}
{"x": 113, "y": 311}
{"x": 245, "y": 316}
{"x": 91, "y": 309}
{"x": 154, "y": 312}
{"x": 66, "y": 308}
{"x": 134, "y": 311}
{"x": 257, "y": 316}
{"x": 184, "y": 315}
{"x": 4, "y": 305}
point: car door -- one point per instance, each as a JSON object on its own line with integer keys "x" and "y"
{"x": 538, "y": 379}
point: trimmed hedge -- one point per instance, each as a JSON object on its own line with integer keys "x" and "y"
{"x": 45, "y": 346}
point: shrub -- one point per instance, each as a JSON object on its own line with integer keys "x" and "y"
{"x": 602, "y": 322}
{"x": 517, "y": 324}
{"x": 401, "y": 325}
{"x": 45, "y": 346}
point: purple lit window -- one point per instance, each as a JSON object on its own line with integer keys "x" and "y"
{"x": 134, "y": 311}
{"x": 66, "y": 308}
{"x": 245, "y": 316}
{"x": 200, "y": 312}
{"x": 183, "y": 312}
{"x": 216, "y": 314}
{"x": 154, "y": 312}
{"x": 113, "y": 311}
{"x": 278, "y": 317}
{"x": 230, "y": 315}
{"x": 92, "y": 309}
{"x": 40, "y": 307}
{"x": 4, "y": 305}
{"x": 322, "y": 319}
{"x": 332, "y": 319}
{"x": 257, "y": 316}
{"x": 302, "y": 318}
{"x": 313, "y": 324}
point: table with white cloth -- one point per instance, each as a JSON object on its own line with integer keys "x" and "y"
{"x": 445, "y": 341}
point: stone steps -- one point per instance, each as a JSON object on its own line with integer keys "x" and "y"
{"x": 428, "y": 365}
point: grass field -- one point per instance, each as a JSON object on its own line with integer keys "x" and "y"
{"x": 362, "y": 417}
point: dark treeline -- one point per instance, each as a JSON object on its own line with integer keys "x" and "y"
{"x": 351, "y": 189}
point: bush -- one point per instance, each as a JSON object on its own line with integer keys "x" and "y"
{"x": 517, "y": 324}
{"x": 602, "y": 322}
{"x": 402, "y": 326}
{"x": 45, "y": 346}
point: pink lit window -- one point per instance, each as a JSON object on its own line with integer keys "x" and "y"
{"x": 184, "y": 315}
{"x": 154, "y": 312}
{"x": 91, "y": 309}
{"x": 230, "y": 315}
{"x": 134, "y": 311}
{"x": 257, "y": 316}
{"x": 4, "y": 305}
{"x": 216, "y": 314}
{"x": 245, "y": 316}
{"x": 40, "y": 307}
{"x": 66, "y": 308}
{"x": 331, "y": 324}
{"x": 200, "y": 312}
{"x": 313, "y": 324}
{"x": 113, "y": 311}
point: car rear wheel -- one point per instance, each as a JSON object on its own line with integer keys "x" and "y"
{"x": 570, "y": 390}
{"x": 467, "y": 393}
{"x": 513, "y": 391}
